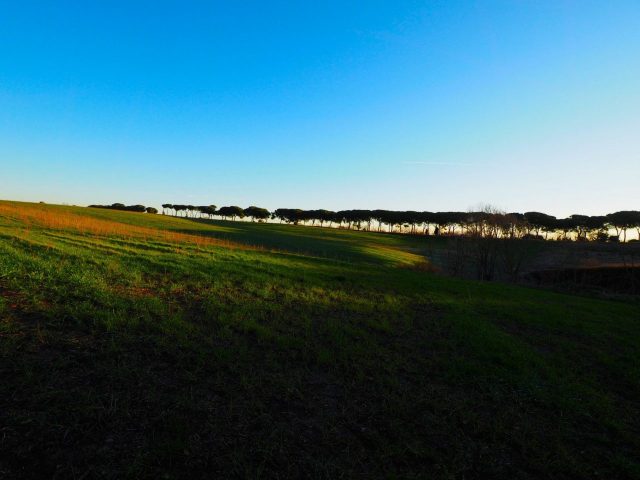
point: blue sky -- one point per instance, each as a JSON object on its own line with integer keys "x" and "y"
{"x": 433, "y": 105}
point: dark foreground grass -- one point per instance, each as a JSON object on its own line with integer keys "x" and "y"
{"x": 125, "y": 357}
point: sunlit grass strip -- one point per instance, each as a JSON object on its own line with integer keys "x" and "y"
{"x": 36, "y": 216}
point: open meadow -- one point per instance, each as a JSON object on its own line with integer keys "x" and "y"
{"x": 146, "y": 346}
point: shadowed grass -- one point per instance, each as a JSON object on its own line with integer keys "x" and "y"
{"x": 142, "y": 355}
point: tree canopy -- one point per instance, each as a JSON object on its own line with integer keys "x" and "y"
{"x": 485, "y": 222}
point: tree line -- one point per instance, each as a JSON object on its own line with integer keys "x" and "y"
{"x": 488, "y": 222}
{"x": 127, "y": 208}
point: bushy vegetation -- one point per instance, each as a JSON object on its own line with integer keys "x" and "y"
{"x": 148, "y": 346}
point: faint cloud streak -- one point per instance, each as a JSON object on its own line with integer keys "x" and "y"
{"x": 448, "y": 164}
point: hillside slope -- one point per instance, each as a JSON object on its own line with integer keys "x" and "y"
{"x": 140, "y": 346}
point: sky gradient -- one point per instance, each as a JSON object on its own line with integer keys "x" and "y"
{"x": 433, "y": 105}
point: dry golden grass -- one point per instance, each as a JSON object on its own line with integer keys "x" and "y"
{"x": 58, "y": 219}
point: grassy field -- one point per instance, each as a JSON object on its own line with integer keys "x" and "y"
{"x": 141, "y": 346}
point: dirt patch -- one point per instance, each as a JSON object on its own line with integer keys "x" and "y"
{"x": 13, "y": 298}
{"x": 134, "y": 291}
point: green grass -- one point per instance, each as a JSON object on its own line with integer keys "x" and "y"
{"x": 324, "y": 355}
{"x": 337, "y": 244}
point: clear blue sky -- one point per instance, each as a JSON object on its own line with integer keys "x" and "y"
{"x": 433, "y": 105}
